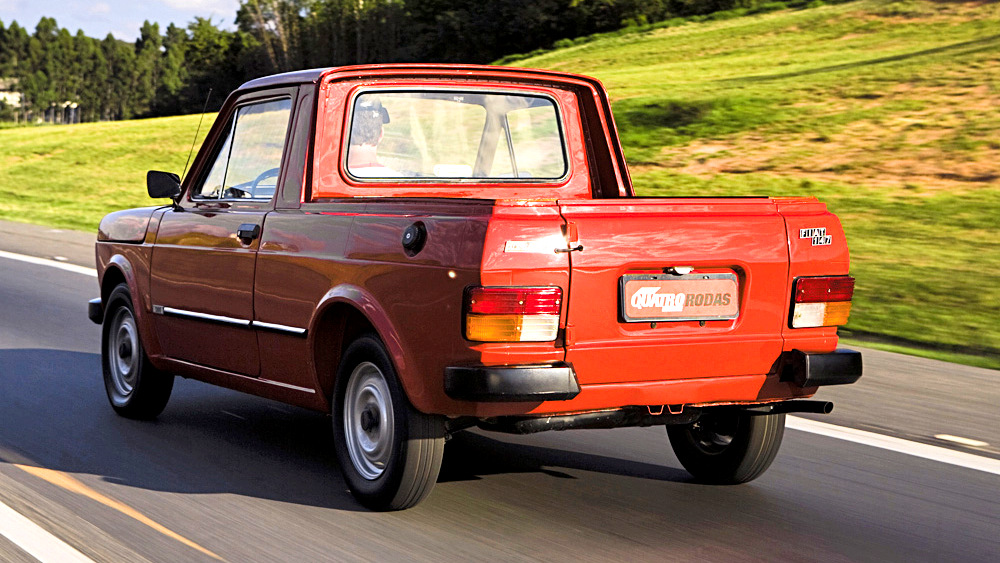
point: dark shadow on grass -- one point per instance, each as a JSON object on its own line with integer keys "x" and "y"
{"x": 657, "y": 114}
{"x": 986, "y": 44}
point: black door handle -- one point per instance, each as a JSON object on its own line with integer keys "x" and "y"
{"x": 247, "y": 232}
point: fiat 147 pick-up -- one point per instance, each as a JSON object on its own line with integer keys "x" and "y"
{"x": 418, "y": 250}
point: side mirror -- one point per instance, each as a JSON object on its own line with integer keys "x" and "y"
{"x": 163, "y": 184}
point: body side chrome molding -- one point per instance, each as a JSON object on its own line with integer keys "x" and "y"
{"x": 287, "y": 386}
{"x": 202, "y": 316}
{"x": 279, "y": 328}
{"x": 161, "y": 310}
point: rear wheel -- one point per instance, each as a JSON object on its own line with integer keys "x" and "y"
{"x": 135, "y": 388}
{"x": 389, "y": 452}
{"x": 728, "y": 446}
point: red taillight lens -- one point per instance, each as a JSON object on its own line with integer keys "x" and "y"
{"x": 824, "y": 289}
{"x": 822, "y": 301}
{"x": 514, "y": 300}
{"x": 512, "y": 314}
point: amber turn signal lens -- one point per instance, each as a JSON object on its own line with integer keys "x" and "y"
{"x": 511, "y": 328}
{"x": 806, "y": 315}
{"x": 836, "y": 313}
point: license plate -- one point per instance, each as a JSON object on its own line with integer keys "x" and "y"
{"x": 691, "y": 297}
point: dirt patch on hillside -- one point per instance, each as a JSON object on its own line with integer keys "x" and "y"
{"x": 902, "y": 11}
{"x": 946, "y": 141}
{"x": 843, "y": 159}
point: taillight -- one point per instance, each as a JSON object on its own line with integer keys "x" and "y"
{"x": 512, "y": 314}
{"x": 822, "y": 301}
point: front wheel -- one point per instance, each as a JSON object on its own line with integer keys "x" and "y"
{"x": 727, "y": 447}
{"x": 135, "y": 388}
{"x": 389, "y": 452}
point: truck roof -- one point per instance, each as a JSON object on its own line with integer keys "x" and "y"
{"x": 477, "y": 71}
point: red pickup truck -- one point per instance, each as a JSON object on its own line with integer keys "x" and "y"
{"x": 421, "y": 249}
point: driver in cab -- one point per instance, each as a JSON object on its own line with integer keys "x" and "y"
{"x": 366, "y": 134}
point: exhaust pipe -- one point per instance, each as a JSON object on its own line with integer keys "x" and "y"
{"x": 817, "y": 407}
{"x": 616, "y": 418}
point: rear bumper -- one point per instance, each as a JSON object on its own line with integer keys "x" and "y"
{"x": 95, "y": 310}
{"x": 555, "y": 382}
{"x": 813, "y": 370}
{"x": 558, "y": 382}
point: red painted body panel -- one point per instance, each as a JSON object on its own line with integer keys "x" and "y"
{"x": 540, "y": 266}
{"x": 349, "y": 253}
{"x": 198, "y": 265}
{"x": 805, "y": 259}
{"x": 744, "y": 236}
{"x": 127, "y": 225}
{"x": 329, "y": 264}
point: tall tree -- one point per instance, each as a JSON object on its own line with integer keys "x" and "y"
{"x": 210, "y": 64}
{"x": 173, "y": 74}
{"x": 148, "y": 66}
{"x": 5, "y": 64}
{"x": 94, "y": 68}
{"x": 122, "y": 78}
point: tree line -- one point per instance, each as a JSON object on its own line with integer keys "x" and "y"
{"x": 71, "y": 77}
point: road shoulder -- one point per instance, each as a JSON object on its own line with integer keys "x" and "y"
{"x": 61, "y": 245}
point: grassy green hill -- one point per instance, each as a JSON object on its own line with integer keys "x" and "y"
{"x": 888, "y": 111}
{"x": 70, "y": 176}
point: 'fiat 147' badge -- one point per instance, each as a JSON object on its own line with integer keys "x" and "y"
{"x": 818, "y": 236}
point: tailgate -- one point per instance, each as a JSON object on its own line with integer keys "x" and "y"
{"x": 635, "y": 313}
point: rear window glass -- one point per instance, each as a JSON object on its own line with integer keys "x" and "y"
{"x": 455, "y": 135}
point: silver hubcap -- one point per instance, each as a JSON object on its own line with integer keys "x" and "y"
{"x": 368, "y": 420}
{"x": 123, "y": 352}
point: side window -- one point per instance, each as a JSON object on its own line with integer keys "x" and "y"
{"x": 248, "y": 163}
{"x": 211, "y": 188}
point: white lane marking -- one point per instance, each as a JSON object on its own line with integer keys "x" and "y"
{"x": 51, "y": 263}
{"x": 960, "y": 440}
{"x": 35, "y": 540}
{"x": 916, "y": 449}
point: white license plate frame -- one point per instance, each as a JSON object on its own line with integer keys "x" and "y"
{"x": 663, "y": 307}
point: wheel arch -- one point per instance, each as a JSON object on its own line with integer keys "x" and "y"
{"x": 119, "y": 270}
{"x": 344, "y": 313}
{"x": 113, "y": 276}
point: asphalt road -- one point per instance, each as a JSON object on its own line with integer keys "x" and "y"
{"x": 246, "y": 479}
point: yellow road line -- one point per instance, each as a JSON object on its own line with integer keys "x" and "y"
{"x": 72, "y": 485}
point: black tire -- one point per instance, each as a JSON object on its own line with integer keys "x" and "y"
{"x": 727, "y": 446}
{"x": 390, "y": 453}
{"x": 135, "y": 388}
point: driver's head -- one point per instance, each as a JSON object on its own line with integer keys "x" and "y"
{"x": 366, "y": 125}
